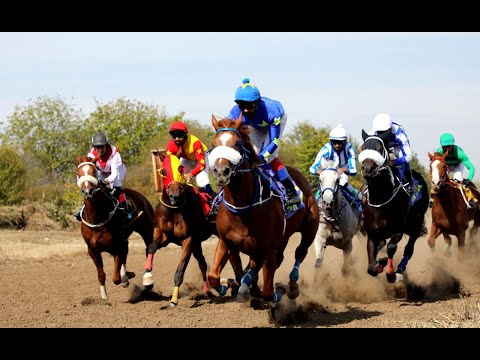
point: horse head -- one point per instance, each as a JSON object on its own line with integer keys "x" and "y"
{"x": 374, "y": 155}
{"x": 329, "y": 180}
{"x": 438, "y": 170}
{"x": 174, "y": 183}
{"x": 232, "y": 149}
{"x": 87, "y": 175}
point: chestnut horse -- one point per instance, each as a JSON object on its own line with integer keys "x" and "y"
{"x": 451, "y": 211}
{"x": 251, "y": 217}
{"x": 180, "y": 218}
{"x": 388, "y": 210}
{"x": 102, "y": 225}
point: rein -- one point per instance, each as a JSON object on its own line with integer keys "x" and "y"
{"x": 110, "y": 215}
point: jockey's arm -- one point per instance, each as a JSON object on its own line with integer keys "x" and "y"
{"x": 274, "y": 132}
{"x": 198, "y": 147}
{"x": 405, "y": 149}
{"x": 351, "y": 166}
{"x": 467, "y": 163}
{"x": 115, "y": 166}
{"x": 319, "y": 162}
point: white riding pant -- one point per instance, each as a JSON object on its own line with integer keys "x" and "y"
{"x": 458, "y": 172}
{"x": 261, "y": 138}
{"x": 201, "y": 178}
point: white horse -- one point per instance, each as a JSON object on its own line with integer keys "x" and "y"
{"x": 339, "y": 222}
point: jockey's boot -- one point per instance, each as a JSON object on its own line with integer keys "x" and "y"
{"x": 129, "y": 215}
{"x": 293, "y": 197}
{"x": 208, "y": 189}
{"x": 78, "y": 215}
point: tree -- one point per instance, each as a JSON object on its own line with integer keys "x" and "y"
{"x": 46, "y": 133}
{"x": 129, "y": 125}
{"x": 12, "y": 173}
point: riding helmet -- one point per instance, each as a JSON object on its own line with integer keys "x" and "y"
{"x": 447, "y": 139}
{"x": 338, "y": 133}
{"x": 247, "y": 92}
{"x": 99, "y": 139}
{"x": 178, "y": 126}
{"x": 382, "y": 122}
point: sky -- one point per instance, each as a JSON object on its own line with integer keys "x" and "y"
{"x": 428, "y": 82}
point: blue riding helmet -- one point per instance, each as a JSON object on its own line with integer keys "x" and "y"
{"x": 247, "y": 92}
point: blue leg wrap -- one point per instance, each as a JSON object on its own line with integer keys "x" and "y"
{"x": 403, "y": 264}
{"x": 295, "y": 274}
{"x": 277, "y": 296}
{"x": 247, "y": 278}
{"x": 222, "y": 290}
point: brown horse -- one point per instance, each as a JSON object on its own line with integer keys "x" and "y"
{"x": 251, "y": 217}
{"x": 102, "y": 225}
{"x": 451, "y": 212}
{"x": 180, "y": 218}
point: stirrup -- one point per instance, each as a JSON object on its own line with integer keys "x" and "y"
{"x": 293, "y": 197}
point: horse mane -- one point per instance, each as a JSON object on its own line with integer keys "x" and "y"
{"x": 245, "y": 135}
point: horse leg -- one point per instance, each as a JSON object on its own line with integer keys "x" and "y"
{"x": 202, "y": 264}
{"x": 373, "y": 268}
{"x": 320, "y": 244}
{"x": 219, "y": 261}
{"x": 391, "y": 250}
{"x": 269, "y": 267}
{"x": 434, "y": 233}
{"x": 461, "y": 243}
{"x": 158, "y": 239}
{"x": 182, "y": 265}
{"x": 347, "y": 258}
{"x": 448, "y": 244}
{"x": 300, "y": 254}
{"x": 97, "y": 260}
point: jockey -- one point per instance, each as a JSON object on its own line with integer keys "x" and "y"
{"x": 111, "y": 170}
{"x": 398, "y": 144}
{"x": 344, "y": 154}
{"x": 267, "y": 120}
{"x": 191, "y": 152}
{"x": 457, "y": 161}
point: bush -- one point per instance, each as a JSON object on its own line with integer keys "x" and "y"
{"x": 12, "y": 175}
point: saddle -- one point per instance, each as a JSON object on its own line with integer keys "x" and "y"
{"x": 468, "y": 193}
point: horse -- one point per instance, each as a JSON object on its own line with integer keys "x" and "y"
{"x": 451, "y": 211}
{"x": 103, "y": 227}
{"x": 251, "y": 218}
{"x": 339, "y": 222}
{"x": 389, "y": 210}
{"x": 181, "y": 217}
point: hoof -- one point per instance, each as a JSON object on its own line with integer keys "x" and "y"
{"x": 244, "y": 291}
{"x": 148, "y": 287}
{"x": 293, "y": 290}
{"x": 391, "y": 277}
{"x": 172, "y": 304}
{"x": 399, "y": 277}
{"x": 372, "y": 271}
{"x": 125, "y": 284}
{"x": 147, "y": 279}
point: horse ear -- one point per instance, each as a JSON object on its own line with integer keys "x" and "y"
{"x": 163, "y": 172}
{"x": 215, "y": 122}
{"x": 430, "y": 156}
{"x": 181, "y": 169}
{"x": 238, "y": 122}
{"x": 364, "y": 135}
{"x": 79, "y": 159}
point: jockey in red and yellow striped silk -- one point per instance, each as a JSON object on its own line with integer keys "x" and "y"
{"x": 191, "y": 152}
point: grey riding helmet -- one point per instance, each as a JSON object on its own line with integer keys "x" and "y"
{"x": 99, "y": 139}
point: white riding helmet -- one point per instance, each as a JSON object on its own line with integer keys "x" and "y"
{"x": 382, "y": 122}
{"x": 338, "y": 133}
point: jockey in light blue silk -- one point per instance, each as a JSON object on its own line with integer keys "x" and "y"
{"x": 398, "y": 144}
{"x": 344, "y": 154}
{"x": 267, "y": 120}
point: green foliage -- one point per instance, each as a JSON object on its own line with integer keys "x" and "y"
{"x": 46, "y": 132}
{"x": 64, "y": 204}
{"x": 13, "y": 176}
{"x": 129, "y": 125}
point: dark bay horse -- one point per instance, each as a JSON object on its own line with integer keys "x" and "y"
{"x": 451, "y": 211}
{"x": 251, "y": 217}
{"x": 180, "y": 218}
{"x": 102, "y": 225}
{"x": 388, "y": 210}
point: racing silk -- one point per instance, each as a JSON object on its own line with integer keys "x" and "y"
{"x": 111, "y": 166}
{"x": 269, "y": 115}
{"x": 456, "y": 157}
{"x": 346, "y": 158}
{"x": 399, "y": 139}
{"x": 192, "y": 149}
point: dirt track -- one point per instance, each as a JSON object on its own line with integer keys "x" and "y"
{"x": 59, "y": 288}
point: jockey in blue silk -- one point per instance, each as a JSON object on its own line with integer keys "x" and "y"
{"x": 344, "y": 154}
{"x": 398, "y": 145}
{"x": 267, "y": 120}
